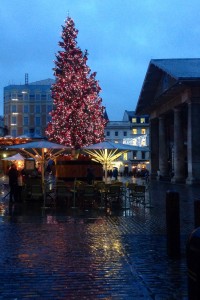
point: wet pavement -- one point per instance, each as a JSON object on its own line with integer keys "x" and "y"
{"x": 61, "y": 253}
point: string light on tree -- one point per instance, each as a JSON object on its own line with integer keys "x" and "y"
{"x": 77, "y": 115}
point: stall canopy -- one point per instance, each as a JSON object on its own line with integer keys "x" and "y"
{"x": 42, "y": 150}
{"x": 15, "y": 157}
{"x": 107, "y": 152}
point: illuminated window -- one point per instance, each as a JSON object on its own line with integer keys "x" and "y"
{"x": 134, "y": 120}
{"x": 134, "y": 130}
{"x": 125, "y": 156}
{"x": 142, "y": 120}
{"x": 143, "y": 131}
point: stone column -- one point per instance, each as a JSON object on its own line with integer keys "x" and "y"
{"x": 154, "y": 147}
{"x": 193, "y": 142}
{"x": 163, "y": 154}
{"x": 179, "y": 157}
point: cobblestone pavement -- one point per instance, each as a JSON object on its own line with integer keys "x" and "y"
{"x": 72, "y": 254}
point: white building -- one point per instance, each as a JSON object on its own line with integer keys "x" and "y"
{"x": 132, "y": 130}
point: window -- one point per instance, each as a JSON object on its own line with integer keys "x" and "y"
{"x": 134, "y": 130}
{"x": 14, "y": 132}
{"x": 116, "y": 133}
{"x": 143, "y": 155}
{"x": 25, "y": 96}
{"x": 125, "y": 156}
{"x": 48, "y": 119}
{"x": 14, "y": 96}
{"x": 134, "y": 154}
{"x": 142, "y": 120}
{"x": 14, "y": 108}
{"x": 26, "y": 109}
{"x": 143, "y": 131}
{"x": 134, "y": 120}
{"x": 26, "y": 131}
{"x": 14, "y": 121}
{"x": 125, "y": 133}
{"x": 26, "y": 121}
{"x": 108, "y": 133}
{"x": 37, "y": 109}
{"x": 37, "y": 131}
{"x": 37, "y": 121}
{"x": 37, "y": 97}
{"x": 49, "y": 108}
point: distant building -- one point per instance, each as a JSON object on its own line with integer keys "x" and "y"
{"x": 132, "y": 130}
{"x": 2, "y": 128}
{"x": 27, "y": 107}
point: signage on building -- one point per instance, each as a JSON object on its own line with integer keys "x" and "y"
{"x": 139, "y": 141}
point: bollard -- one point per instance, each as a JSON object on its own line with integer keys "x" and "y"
{"x": 193, "y": 264}
{"x": 196, "y": 213}
{"x": 173, "y": 224}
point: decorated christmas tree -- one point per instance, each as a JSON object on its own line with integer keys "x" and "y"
{"x": 77, "y": 115}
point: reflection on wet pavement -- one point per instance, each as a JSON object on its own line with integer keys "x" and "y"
{"x": 71, "y": 254}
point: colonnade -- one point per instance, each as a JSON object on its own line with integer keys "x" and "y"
{"x": 184, "y": 139}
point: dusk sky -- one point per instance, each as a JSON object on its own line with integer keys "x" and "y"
{"x": 121, "y": 37}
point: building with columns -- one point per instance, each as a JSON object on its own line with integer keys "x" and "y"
{"x": 170, "y": 95}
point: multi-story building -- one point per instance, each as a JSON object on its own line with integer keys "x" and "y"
{"x": 132, "y": 130}
{"x": 27, "y": 107}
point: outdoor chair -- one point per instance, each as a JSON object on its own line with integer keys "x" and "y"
{"x": 138, "y": 195}
{"x": 114, "y": 196}
{"x": 88, "y": 197}
{"x": 130, "y": 191}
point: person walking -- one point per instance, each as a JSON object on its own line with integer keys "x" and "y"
{"x": 115, "y": 173}
{"x": 13, "y": 182}
{"x": 20, "y": 186}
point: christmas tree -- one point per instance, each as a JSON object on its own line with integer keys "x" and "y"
{"x": 77, "y": 115}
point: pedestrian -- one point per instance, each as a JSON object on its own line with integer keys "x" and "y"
{"x": 115, "y": 173}
{"x": 13, "y": 178}
{"x": 20, "y": 186}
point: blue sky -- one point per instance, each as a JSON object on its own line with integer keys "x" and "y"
{"x": 121, "y": 37}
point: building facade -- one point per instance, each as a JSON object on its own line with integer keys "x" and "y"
{"x": 132, "y": 130}
{"x": 27, "y": 107}
{"x": 171, "y": 97}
